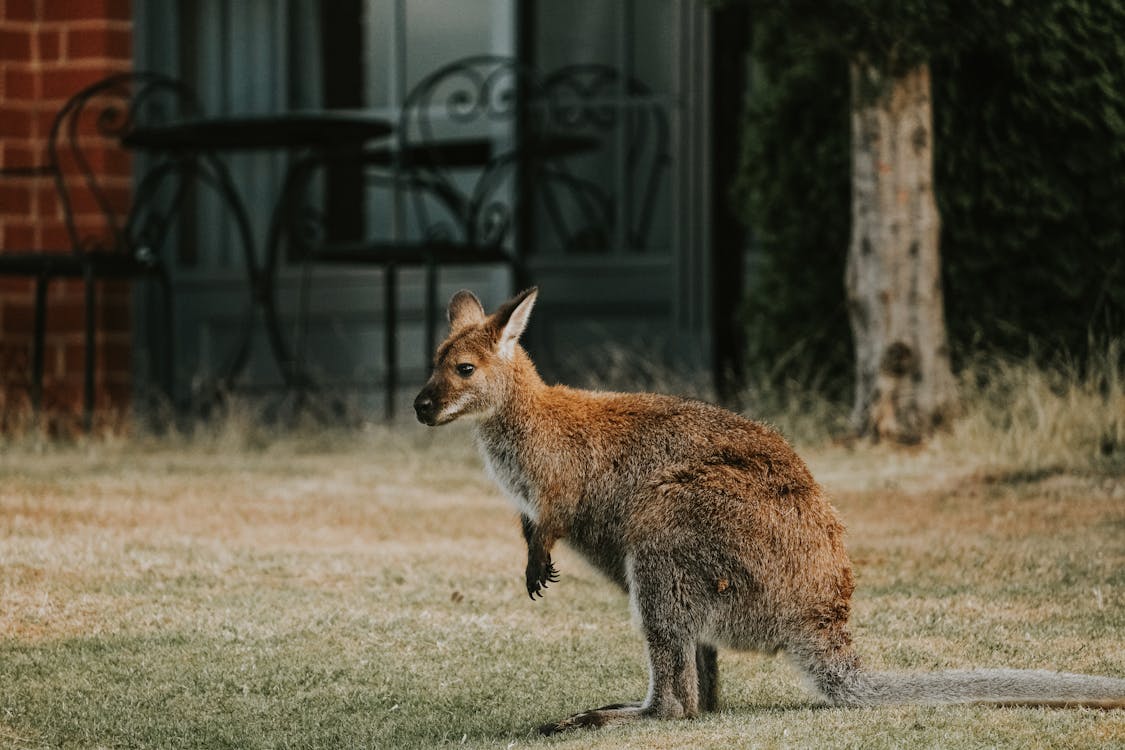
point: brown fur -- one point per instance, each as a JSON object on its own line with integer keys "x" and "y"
{"x": 710, "y": 522}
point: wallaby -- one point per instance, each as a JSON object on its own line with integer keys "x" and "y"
{"x": 709, "y": 521}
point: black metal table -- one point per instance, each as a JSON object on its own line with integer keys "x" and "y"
{"x": 285, "y": 131}
{"x": 300, "y": 133}
{"x": 421, "y": 159}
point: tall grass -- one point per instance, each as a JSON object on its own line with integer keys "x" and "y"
{"x": 1036, "y": 414}
{"x": 1065, "y": 415}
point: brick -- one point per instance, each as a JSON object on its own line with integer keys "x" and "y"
{"x": 117, "y": 292}
{"x": 94, "y": 234}
{"x": 47, "y": 202}
{"x": 53, "y": 236}
{"x": 50, "y": 46}
{"x": 14, "y": 357}
{"x": 117, "y": 318}
{"x": 108, "y": 161}
{"x": 114, "y": 356}
{"x": 15, "y": 123}
{"x": 77, "y": 10}
{"x": 15, "y": 290}
{"x": 84, "y": 203}
{"x": 67, "y": 289}
{"x": 20, "y": 154}
{"x": 108, "y": 355}
{"x": 98, "y": 44}
{"x": 15, "y": 45}
{"x": 117, "y": 393}
{"x": 18, "y": 319}
{"x": 74, "y": 360}
{"x": 43, "y": 118}
{"x": 17, "y": 236}
{"x": 20, "y": 10}
{"x": 64, "y": 315}
{"x": 62, "y": 396}
{"x": 64, "y": 82}
{"x": 20, "y": 85}
{"x": 15, "y": 199}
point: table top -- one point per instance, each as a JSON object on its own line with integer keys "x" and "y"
{"x": 289, "y": 130}
{"x": 455, "y": 153}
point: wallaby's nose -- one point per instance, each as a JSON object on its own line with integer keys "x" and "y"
{"x": 424, "y": 408}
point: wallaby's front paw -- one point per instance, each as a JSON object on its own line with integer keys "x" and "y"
{"x": 539, "y": 574}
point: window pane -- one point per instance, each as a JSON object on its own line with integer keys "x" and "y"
{"x": 576, "y": 31}
{"x": 439, "y": 32}
{"x": 379, "y": 52}
{"x": 654, "y": 36}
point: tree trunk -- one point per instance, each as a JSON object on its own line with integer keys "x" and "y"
{"x": 904, "y": 382}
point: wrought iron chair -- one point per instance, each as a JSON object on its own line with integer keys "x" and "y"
{"x": 587, "y": 211}
{"x": 447, "y": 188}
{"x": 111, "y": 241}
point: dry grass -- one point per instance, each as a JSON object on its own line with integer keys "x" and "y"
{"x": 1066, "y": 416}
{"x": 237, "y": 589}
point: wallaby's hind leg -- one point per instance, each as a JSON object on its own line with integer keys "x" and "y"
{"x": 707, "y": 667}
{"x": 673, "y": 692}
{"x": 674, "y": 682}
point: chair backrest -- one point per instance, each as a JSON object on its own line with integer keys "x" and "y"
{"x": 588, "y": 207}
{"x": 90, "y": 168}
{"x": 458, "y": 137}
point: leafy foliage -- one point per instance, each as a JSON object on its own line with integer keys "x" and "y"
{"x": 1029, "y": 103}
{"x": 793, "y": 185}
{"x": 1030, "y": 178}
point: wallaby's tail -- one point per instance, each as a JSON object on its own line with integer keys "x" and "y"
{"x": 1002, "y": 687}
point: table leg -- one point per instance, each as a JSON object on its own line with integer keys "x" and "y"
{"x": 91, "y": 351}
{"x": 290, "y": 368}
{"x": 431, "y": 313}
{"x": 37, "y": 345}
{"x": 390, "y": 315}
{"x": 224, "y": 184}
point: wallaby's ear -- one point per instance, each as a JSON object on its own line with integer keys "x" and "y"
{"x": 465, "y": 310}
{"x": 510, "y": 319}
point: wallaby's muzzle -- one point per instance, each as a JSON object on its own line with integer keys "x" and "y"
{"x": 425, "y": 408}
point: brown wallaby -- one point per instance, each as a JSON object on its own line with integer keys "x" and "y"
{"x": 709, "y": 521}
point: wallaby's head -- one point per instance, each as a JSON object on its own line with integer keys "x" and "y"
{"x": 475, "y": 365}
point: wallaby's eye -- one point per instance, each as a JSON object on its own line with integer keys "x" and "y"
{"x": 465, "y": 369}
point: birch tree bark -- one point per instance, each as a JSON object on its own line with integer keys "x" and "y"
{"x": 904, "y": 381}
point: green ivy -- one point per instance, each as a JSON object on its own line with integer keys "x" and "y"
{"x": 1029, "y": 103}
{"x": 793, "y": 186}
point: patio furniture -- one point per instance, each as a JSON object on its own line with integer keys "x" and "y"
{"x": 108, "y": 235}
{"x": 301, "y": 134}
{"x": 448, "y": 186}
{"x": 587, "y": 211}
{"x": 484, "y": 148}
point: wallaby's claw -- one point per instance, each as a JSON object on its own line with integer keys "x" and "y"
{"x": 539, "y": 576}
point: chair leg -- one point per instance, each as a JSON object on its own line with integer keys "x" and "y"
{"x": 91, "y": 332}
{"x": 168, "y": 376}
{"x": 431, "y": 314}
{"x": 38, "y": 342}
{"x": 390, "y": 347}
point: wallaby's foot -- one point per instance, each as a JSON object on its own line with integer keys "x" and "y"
{"x": 616, "y": 706}
{"x": 540, "y": 572}
{"x": 615, "y": 713}
{"x": 586, "y": 720}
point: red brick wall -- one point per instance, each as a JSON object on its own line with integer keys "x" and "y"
{"x": 48, "y": 50}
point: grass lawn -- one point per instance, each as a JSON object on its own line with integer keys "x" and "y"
{"x": 366, "y": 591}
